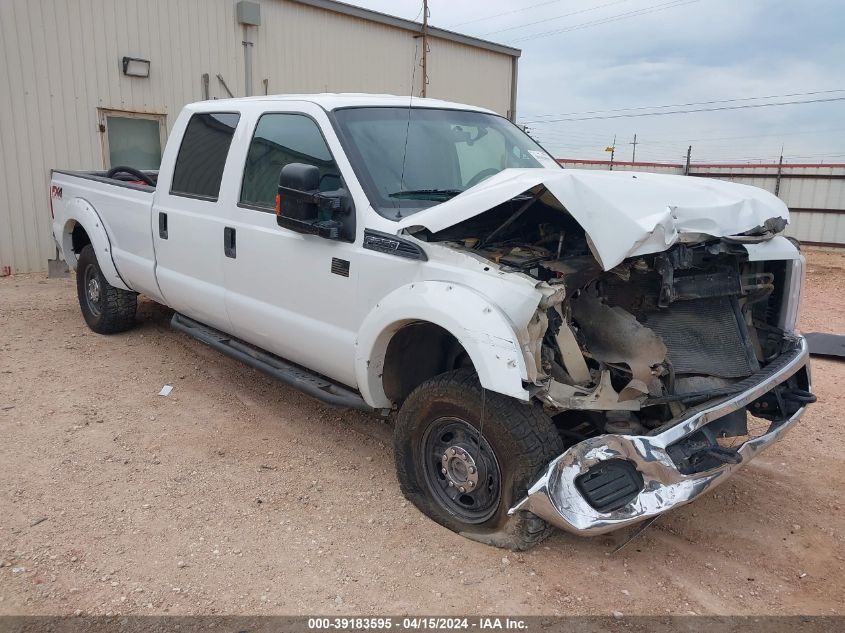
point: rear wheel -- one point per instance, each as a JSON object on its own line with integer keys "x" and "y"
{"x": 106, "y": 309}
{"x": 465, "y": 472}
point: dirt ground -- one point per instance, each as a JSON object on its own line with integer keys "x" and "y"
{"x": 238, "y": 495}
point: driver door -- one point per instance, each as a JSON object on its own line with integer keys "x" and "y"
{"x": 292, "y": 294}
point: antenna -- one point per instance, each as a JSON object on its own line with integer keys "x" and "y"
{"x": 423, "y": 91}
{"x": 407, "y": 130}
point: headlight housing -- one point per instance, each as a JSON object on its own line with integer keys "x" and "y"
{"x": 794, "y": 282}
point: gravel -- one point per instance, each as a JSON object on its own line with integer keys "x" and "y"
{"x": 155, "y": 494}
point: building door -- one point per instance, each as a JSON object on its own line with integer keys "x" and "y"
{"x": 132, "y": 139}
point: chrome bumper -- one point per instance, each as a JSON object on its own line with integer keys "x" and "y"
{"x": 555, "y": 497}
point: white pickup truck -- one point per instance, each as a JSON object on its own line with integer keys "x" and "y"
{"x": 567, "y": 348}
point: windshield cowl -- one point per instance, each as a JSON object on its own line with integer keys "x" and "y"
{"x": 427, "y": 194}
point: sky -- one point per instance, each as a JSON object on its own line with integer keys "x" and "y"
{"x": 596, "y": 62}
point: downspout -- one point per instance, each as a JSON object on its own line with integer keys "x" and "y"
{"x": 247, "y": 63}
{"x": 514, "y": 78}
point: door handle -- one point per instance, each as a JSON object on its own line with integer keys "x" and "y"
{"x": 162, "y": 225}
{"x": 229, "y": 244}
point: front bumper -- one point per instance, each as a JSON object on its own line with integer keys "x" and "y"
{"x": 556, "y": 497}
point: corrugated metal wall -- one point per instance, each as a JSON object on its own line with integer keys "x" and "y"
{"x": 60, "y": 61}
{"x": 815, "y": 194}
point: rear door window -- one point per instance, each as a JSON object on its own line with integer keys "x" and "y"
{"x": 281, "y": 139}
{"x": 202, "y": 155}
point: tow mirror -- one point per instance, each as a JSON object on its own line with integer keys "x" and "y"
{"x": 302, "y": 207}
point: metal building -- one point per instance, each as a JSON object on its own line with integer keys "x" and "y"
{"x": 87, "y": 84}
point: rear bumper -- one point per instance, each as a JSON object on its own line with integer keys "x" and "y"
{"x": 556, "y": 497}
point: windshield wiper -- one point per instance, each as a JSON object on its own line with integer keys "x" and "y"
{"x": 426, "y": 194}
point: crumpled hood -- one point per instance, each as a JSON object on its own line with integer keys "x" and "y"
{"x": 624, "y": 214}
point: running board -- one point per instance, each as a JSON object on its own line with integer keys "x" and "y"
{"x": 310, "y": 383}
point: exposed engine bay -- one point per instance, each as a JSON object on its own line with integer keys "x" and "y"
{"x": 629, "y": 349}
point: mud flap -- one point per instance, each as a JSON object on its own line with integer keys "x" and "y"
{"x": 57, "y": 268}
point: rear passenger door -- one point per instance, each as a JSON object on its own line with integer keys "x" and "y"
{"x": 290, "y": 293}
{"x": 187, "y": 221}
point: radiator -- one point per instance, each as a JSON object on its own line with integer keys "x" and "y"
{"x": 705, "y": 336}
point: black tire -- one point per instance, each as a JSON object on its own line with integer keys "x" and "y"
{"x": 106, "y": 309}
{"x": 522, "y": 439}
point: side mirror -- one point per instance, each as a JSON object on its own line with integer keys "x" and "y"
{"x": 300, "y": 177}
{"x": 302, "y": 207}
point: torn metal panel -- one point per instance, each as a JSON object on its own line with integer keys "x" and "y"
{"x": 533, "y": 350}
{"x": 573, "y": 359}
{"x": 777, "y": 248}
{"x": 602, "y": 398}
{"x": 615, "y": 336}
{"x": 624, "y": 214}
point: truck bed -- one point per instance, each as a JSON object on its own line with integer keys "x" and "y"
{"x": 123, "y": 206}
{"x": 121, "y": 180}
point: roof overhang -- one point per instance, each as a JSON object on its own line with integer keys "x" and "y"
{"x": 408, "y": 25}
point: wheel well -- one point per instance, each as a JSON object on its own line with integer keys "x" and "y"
{"x": 79, "y": 238}
{"x": 417, "y": 352}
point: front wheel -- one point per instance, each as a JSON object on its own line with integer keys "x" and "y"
{"x": 106, "y": 309}
{"x": 465, "y": 472}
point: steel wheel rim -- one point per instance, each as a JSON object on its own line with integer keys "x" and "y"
{"x": 453, "y": 445}
{"x": 93, "y": 289}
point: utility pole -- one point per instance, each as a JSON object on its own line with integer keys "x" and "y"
{"x": 780, "y": 172}
{"x": 686, "y": 165}
{"x": 424, "y": 49}
{"x": 612, "y": 150}
{"x": 634, "y": 153}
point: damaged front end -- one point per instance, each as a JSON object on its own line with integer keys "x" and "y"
{"x": 616, "y": 479}
{"x": 663, "y": 374}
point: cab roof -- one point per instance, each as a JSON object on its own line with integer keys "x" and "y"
{"x": 334, "y": 100}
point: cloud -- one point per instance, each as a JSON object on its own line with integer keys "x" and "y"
{"x": 707, "y": 50}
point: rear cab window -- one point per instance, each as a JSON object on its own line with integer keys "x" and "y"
{"x": 282, "y": 138}
{"x": 202, "y": 155}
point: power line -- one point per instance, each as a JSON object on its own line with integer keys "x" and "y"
{"x": 496, "y": 15}
{"x": 756, "y": 157}
{"x": 599, "y": 135}
{"x": 560, "y": 139}
{"x": 607, "y": 20}
{"x": 555, "y": 18}
{"x": 693, "y": 103}
{"x": 647, "y": 147}
{"x": 751, "y": 136}
{"x": 774, "y": 155}
{"x": 738, "y": 107}
{"x": 578, "y": 142}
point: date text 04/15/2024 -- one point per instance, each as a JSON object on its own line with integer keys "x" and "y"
{"x": 417, "y": 623}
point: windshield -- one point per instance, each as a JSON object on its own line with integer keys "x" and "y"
{"x": 409, "y": 159}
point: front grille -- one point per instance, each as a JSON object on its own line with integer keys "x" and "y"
{"x": 704, "y": 336}
{"x": 610, "y": 484}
